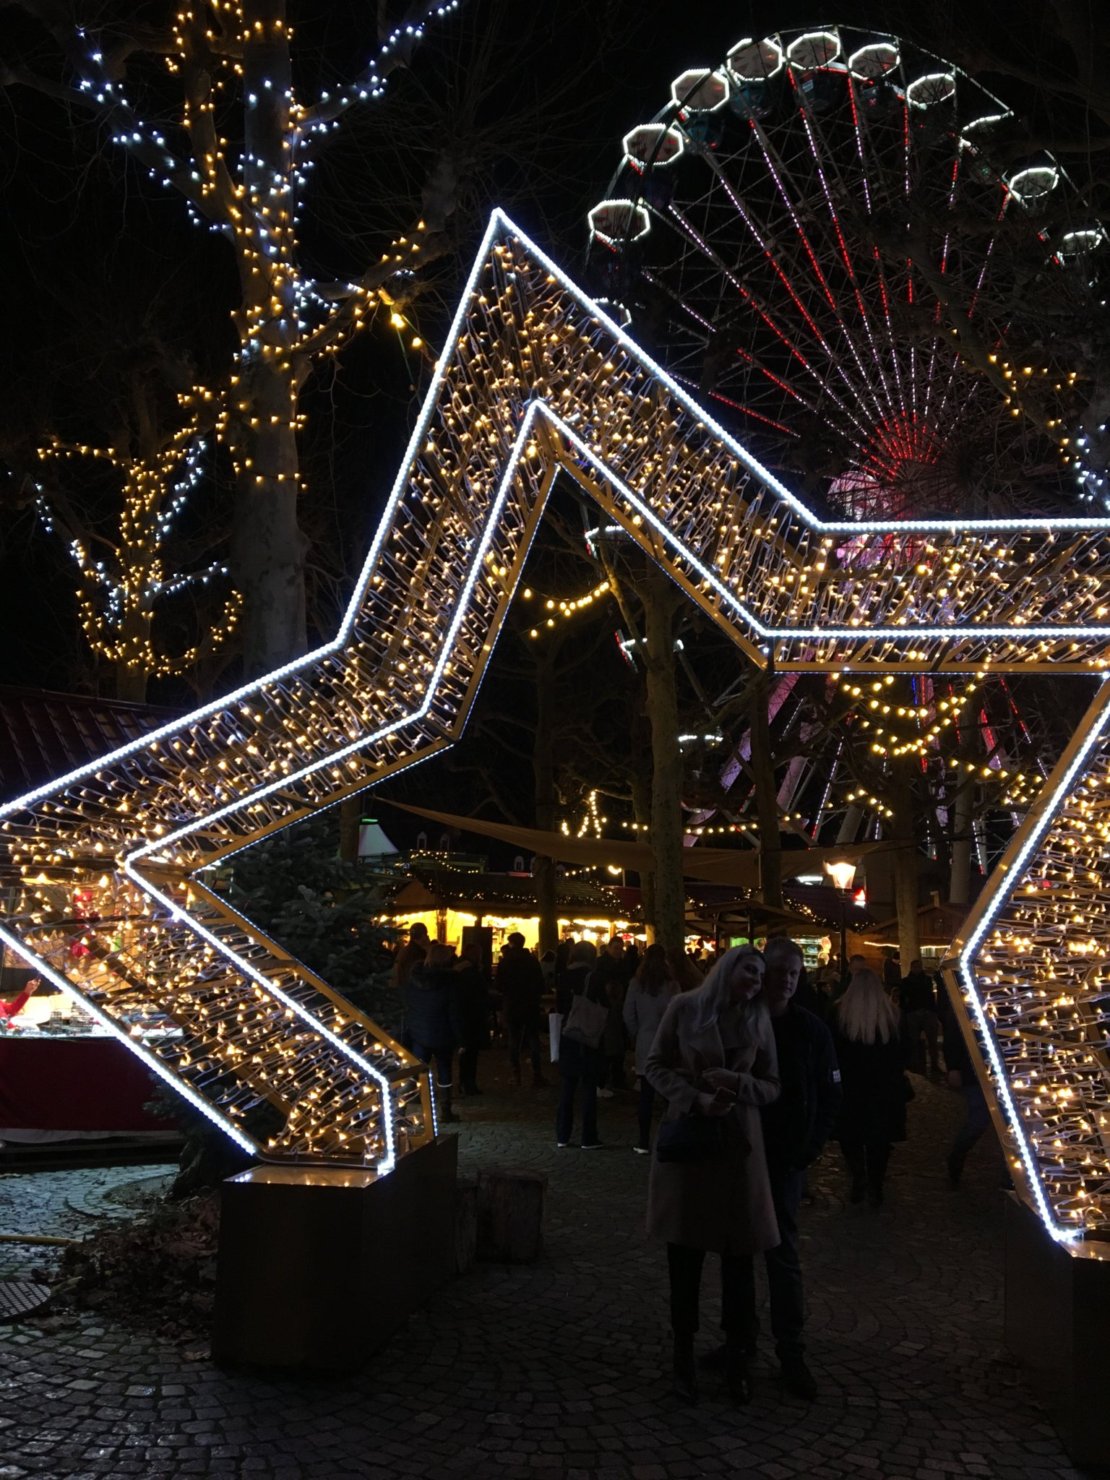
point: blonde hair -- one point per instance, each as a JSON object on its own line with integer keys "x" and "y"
{"x": 714, "y": 996}
{"x": 865, "y": 1012}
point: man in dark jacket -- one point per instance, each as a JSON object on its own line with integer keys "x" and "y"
{"x": 520, "y": 984}
{"x": 795, "y": 1128}
{"x": 918, "y": 1000}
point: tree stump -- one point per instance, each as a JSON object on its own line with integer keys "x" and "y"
{"x": 466, "y": 1224}
{"x": 510, "y": 1216}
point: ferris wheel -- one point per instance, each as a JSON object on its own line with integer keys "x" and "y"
{"x": 832, "y": 240}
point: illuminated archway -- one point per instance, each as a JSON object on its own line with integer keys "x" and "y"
{"x": 105, "y": 868}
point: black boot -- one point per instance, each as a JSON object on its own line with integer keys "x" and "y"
{"x": 738, "y": 1378}
{"x": 685, "y": 1377}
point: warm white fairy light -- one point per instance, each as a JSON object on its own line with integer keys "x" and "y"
{"x": 286, "y": 320}
{"x": 118, "y": 595}
{"x": 535, "y": 376}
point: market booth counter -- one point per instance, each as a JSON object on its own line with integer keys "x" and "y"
{"x": 62, "y": 1078}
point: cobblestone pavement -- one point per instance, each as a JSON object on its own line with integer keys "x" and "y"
{"x": 558, "y": 1368}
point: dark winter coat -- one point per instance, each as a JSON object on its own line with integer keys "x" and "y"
{"x": 578, "y": 1060}
{"x": 612, "y": 975}
{"x": 917, "y": 993}
{"x": 723, "y": 1205}
{"x": 432, "y": 1019}
{"x": 520, "y": 985}
{"x": 797, "y": 1124}
{"x": 874, "y": 1087}
{"x": 472, "y": 1006}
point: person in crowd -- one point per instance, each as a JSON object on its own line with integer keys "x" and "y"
{"x": 826, "y": 988}
{"x": 473, "y": 1007}
{"x": 579, "y": 1064}
{"x": 871, "y": 1055}
{"x": 12, "y": 1008}
{"x": 612, "y": 975}
{"x": 714, "y": 1060}
{"x": 520, "y": 987}
{"x": 962, "y": 1076}
{"x": 409, "y": 956}
{"x": 892, "y": 969}
{"x": 648, "y": 993}
{"x": 685, "y": 969}
{"x": 918, "y": 1001}
{"x": 433, "y": 1022}
{"x": 549, "y": 968}
{"x": 795, "y": 1129}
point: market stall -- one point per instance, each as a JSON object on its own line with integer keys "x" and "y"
{"x": 63, "y": 1078}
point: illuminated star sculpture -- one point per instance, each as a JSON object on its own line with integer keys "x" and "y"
{"x": 108, "y": 872}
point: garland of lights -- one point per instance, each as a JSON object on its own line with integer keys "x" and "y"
{"x": 117, "y": 599}
{"x": 252, "y": 196}
{"x": 535, "y": 377}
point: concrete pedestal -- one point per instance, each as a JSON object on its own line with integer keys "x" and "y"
{"x": 1057, "y": 1319}
{"x": 319, "y": 1266}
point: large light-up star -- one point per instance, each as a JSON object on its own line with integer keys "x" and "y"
{"x": 107, "y": 870}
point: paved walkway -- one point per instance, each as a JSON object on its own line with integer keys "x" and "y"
{"x": 557, "y": 1369}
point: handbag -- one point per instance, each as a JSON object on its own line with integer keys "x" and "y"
{"x": 554, "y": 1033}
{"x": 585, "y": 1022}
{"x": 690, "y": 1139}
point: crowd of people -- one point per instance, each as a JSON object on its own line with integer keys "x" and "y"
{"x": 742, "y": 1077}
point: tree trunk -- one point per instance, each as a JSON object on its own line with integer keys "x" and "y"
{"x": 959, "y": 879}
{"x": 666, "y": 781}
{"x": 641, "y": 813}
{"x": 350, "y": 818}
{"x": 906, "y": 868}
{"x": 544, "y": 875}
{"x": 269, "y": 547}
{"x": 766, "y": 795}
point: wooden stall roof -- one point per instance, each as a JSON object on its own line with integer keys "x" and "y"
{"x": 44, "y": 735}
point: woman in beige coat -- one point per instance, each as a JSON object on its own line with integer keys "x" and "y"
{"x": 714, "y": 1057}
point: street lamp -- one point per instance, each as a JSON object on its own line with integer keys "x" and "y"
{"x": 842, "y": 871}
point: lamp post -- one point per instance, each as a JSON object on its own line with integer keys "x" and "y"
{"x": 842, "y": 872}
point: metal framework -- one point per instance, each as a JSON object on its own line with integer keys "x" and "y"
{"x": 838, "y": 242}
{"x": 104, "y": 870}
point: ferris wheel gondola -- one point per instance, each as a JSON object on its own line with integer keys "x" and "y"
{"x": 835, "y": 239}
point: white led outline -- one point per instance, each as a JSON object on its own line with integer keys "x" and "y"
{"x": 158, "y": 845}
{"x": 832, "y": 36}
{"x": 258, "y": 685}
{"x": 1002, "y": 897}
{"x": 922, "y": 82}
{"x": 1015, "y": 184}
{"x": 657, "y": 131}
{"x": 744, "y": 79}
{"x": 854, "y": 66}
{"x": 43, "y": 968}
{"x": 704, "y": 75}
{"x": 634, "y": 210}
{"x": 498, "y": 223}
{"x": 244, "y": 967}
